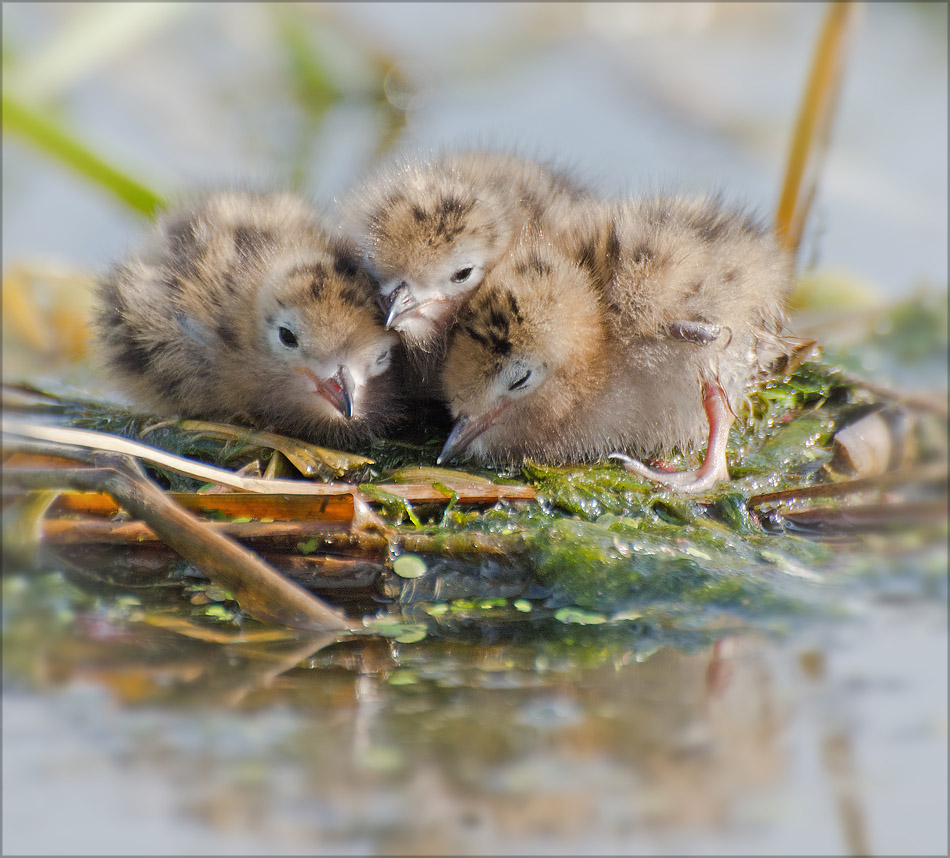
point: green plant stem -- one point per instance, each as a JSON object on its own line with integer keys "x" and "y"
{"x": 49, "y": 136}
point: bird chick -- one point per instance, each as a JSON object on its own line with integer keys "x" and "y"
{"x": 635, "y": 334}
{"x": 242, "y": 306}
{"x": 431, "y": 230}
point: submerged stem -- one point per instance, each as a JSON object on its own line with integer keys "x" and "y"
{"x": 261, "y": 591}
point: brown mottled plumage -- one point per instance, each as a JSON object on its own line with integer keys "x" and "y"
{"x": 431, "y": 229}
{"x": 637, "y": 331}
{"x": 241, "y": 306}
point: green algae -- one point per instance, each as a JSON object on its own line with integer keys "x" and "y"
{"x": 599, "y": 539}
{"x": 600, "y": 545}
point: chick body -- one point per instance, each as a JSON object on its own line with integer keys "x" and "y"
{"x": 638, "y": 331}
{"x": 430, "y": 230}
{"x": 241, "y": 305}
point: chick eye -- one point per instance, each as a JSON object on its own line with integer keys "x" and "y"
{"x": 521, "y": 382}
{"x": 462, "y": 275}
{"x": 287, "y": 337}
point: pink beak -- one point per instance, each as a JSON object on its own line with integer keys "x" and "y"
{"x": 402, "y": 303}
{"x": 466, "y": 430}
{"x": 337, "y": 389}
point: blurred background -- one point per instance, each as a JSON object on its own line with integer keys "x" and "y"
{"x": 829, "y": 746}
{"x": 633, "y": 95}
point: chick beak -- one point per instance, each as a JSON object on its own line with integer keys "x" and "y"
{"x": 341, "y": 383}
{"x": 466, "y": 430}
{"x": 337, "y": 389}
{"x": 401, "y": 300}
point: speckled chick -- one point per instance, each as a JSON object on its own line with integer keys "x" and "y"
{"x": 430, "y": 230}
{"x": 638, "y": 333}
{"x": 241, "y": 306}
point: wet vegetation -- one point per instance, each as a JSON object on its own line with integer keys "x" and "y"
{"x": 825, "y": 464}
{"x": 575, "y": 545}
{"x": 154, "y": 556}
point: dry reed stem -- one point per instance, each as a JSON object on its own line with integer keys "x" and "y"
{"x": 868, "y": 517}
{"x": 260, "y": 590}
{"x": 469, "y": 492}
{"x": 813, "y": 126}
{"x": 68, "y": 531}
{"x": 328, "y": 509}
{"x": 105, "y": 442}
{"x": 906, "y": 477}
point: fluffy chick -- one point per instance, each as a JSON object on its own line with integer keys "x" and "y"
{"x": 431, "y": 230}
{"x": 241, "y": 306}
{"x": 638, "y": 332}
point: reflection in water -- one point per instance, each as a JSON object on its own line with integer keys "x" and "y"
{"x": 573, "y": 741}
{"x": 139, "y": 739}
{"x": 435, "y": 747}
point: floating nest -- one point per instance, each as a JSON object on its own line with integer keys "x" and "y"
{"x": 252, "y": 528}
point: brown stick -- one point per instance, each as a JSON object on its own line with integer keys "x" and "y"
{"x": 468, "y": 493}
{"x": 421, "y": 493}
{"x": 868, "y": 517}
{"x": 147, "y": 564}
{"x": 461, "y": 544}
{"x": 65, "y": 531}
{"x": 916, "y": 476}
{"x": 342, "y": 575}
{"x": 115, "y": 444}
{"x": 286, "y": 534}
{"x": 323, "y": 507}
{"x": 329, "y": 510}
{"x": 934, "y": 403}
{"x": 261, "y": 591}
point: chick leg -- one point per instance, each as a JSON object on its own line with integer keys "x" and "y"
{"x": 714, "y": 468}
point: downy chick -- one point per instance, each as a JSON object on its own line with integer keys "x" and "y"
{"x": 639, "y": 332}
{"x": 431, "y": 230}
{"x": 241, "y": 306}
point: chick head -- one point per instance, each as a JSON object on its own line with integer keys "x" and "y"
{"x": 322, "y": 338}
{"x": 430, "y": 238}
{"x": 526, "y": 354}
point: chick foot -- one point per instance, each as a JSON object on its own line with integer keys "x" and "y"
{"x": 714, "y": 468}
